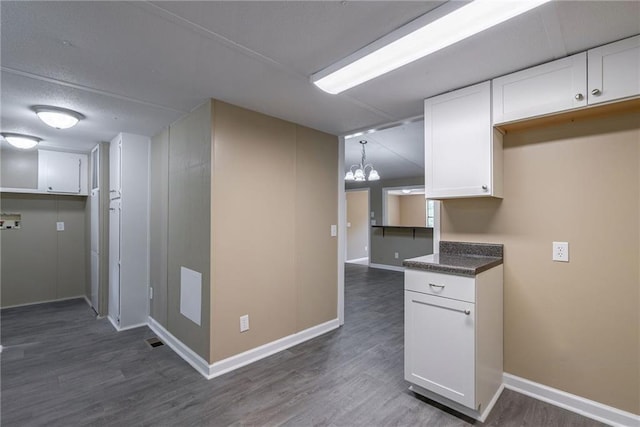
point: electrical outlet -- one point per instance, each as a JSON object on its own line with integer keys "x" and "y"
{"x": 150, "y": 292}
{"x": 244, "y": 323}
{"x": 560, "y": 251}
{"x": 396, "y": 255}
{"x": 60, "y": 226}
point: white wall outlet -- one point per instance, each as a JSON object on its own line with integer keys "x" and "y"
{"x": 373, "y": 214}
{"x": 560, "y": 251}
{"x": 60, "y": 226}
{"x": 150, "y": 292}
{"x": 396, "y": 255}
{"x": 366, "y": 248}
{"x": 348, "y": 224}
{"x": 244, "y": 323}
{"x": 373, "y": 222}
{"x": 334, "y": 230}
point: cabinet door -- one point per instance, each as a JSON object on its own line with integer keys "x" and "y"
{"x": 458, "y": 143}
{"x": 549, "y": 88}
{"x": 60, "y": 172}
{"x": 115, "y": 160}
{"x": 614, "y": 71}
{"x": 114, "y": 261}
{"x": 440, "y": 346}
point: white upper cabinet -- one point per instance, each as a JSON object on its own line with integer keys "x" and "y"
{"x": 61, "y": 172}
{"x": 549, "y": 88}
{"x": 463, "y": 153}
{"x": 614, "y": 71}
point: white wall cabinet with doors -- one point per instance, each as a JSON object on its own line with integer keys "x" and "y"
{"x": 128, "y": 230}
{"x": 548, "y": 88}
{"x": 453, "y": 338}
{"x": 604, "y": 74}
{"x": 62, "y": 172}
{"x": 463, "y": 152}
{"x": 614, "y": 71}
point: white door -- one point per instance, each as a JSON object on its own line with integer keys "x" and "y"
{"x": 95, "y": 247}
{"x": 114, "y": 260}
{"x": 440, "y": 346}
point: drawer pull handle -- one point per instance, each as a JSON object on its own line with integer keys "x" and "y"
{"x": 433, "y": 285}
{"x": 466, "y": 312}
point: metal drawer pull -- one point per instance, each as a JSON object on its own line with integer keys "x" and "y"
{"x": 467, "y": 312}
{"x": 433, "y": 285}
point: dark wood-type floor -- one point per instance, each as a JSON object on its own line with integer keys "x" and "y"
{"x": 62, "y": 367}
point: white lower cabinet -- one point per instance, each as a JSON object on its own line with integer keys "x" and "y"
{"x": 453, "y": 347}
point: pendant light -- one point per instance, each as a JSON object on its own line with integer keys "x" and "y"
{"x": 360, "y": 172}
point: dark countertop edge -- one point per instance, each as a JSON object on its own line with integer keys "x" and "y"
{"x": 402, "y": 226}
{"x": 455, "y": 270}
{"x": 471, "y": 249}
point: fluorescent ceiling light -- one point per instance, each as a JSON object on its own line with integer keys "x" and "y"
{"x": 21, "y": 141}
{"x": 56, "y": 117}
{"x": 463, "y": 22}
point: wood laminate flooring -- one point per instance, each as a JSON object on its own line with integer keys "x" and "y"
{"x": 63, "y": 367}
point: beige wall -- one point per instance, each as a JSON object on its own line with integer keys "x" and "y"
{"x": 413, "y": 210}
{"x": 393, "y": 210}
{"x": 274, "y": 199}
{"x": 357, "y": 224}
{"x": 572, "y": 326}
{"x": 38, "y": 262}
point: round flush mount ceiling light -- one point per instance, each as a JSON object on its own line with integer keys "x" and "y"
{"x": 18, "y": 140}
{"x": 56, "y": 117}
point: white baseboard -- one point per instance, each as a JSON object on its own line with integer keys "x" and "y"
{"x": 45, "y": 302}
{"x": 588, "y": 408}
{"x": 355, "y": 260}
{"x": 125, "y": 328}
{"x": 216, "y": 369}
{"x": 386, "y": 267}
{"x": 87, "y": 301}
{"x": 189, "y": 356}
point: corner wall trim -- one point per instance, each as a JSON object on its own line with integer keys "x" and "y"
{"x": 386, "y": 267}
{"x": 580, "y": 405}
{"x": 239, "y": 360}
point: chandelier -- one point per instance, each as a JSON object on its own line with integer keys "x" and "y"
{"x": 360, "y": 172}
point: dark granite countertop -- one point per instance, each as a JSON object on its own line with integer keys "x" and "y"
{"x": 459, "y": 258}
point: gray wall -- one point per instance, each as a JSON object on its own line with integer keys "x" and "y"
{"x": 189, "y": 222}
{"x": 18, "y": 168}
{"x": 383, "y": 249}
{"x": 401, "y": 241}
{"x": 159, "y": 201}
{"x": 38, "y": 262}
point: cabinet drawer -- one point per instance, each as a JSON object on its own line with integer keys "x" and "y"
{"x": 439, "y": 284}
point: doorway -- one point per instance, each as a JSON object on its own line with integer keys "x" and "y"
{"x": 357, "y": 245}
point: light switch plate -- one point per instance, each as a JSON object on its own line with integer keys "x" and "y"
{"x": 334, "y": 230}
{"x": 560, "y": 251}
{"x": 60, "y": 226}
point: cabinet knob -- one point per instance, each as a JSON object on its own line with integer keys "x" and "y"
{"x": 596, "y": 92}
{"x": 579, "y": 97}
{"x": 485, "y": 188}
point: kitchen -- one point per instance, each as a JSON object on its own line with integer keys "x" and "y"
{"x": 594, "y": 206}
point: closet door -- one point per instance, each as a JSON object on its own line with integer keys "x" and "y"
{"x": 114, "y": 261}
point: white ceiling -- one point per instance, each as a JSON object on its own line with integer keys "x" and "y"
{"x": 138, "y": 66}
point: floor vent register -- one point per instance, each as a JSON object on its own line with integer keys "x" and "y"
{"x": 154, "y": 342}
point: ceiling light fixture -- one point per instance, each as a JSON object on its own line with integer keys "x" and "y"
{"x": 406, "y": 191}
{"x": 417, "y": 39}
{"x": 18, "y": 140}
{"x": 360, "y": 172}
{"x": 56, "y": 117}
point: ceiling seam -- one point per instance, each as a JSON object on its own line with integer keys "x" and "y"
{"x": 88, "y": 89}
{"x": 212, "y": 35}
